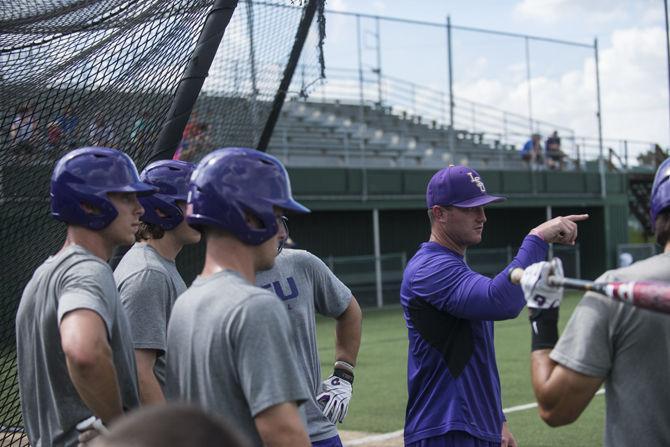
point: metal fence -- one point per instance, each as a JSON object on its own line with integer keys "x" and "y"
{"x": 629, "y": 253}
{"x": 475, "y": 125}
{"x": 359, "y": 273}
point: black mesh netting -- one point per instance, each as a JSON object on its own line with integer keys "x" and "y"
{"x": 106, "y": 72}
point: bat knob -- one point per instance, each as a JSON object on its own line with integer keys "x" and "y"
{"x": 515, "y": 275}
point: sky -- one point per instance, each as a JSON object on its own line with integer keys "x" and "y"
{"x": 492, "y": 70}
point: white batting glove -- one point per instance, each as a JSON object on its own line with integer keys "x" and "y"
{"x": 334, "y": 398}
{"x": 89, "y": 429}
{"x": 538, "y": 293}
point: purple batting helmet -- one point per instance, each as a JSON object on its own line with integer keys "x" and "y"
{"x": 230, "y": 181}
{"x": 86, "y": 175}
{"x": 660, "y": 191}
{"x": 171, "y": 177}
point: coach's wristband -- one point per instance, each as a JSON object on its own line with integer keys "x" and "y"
{"x": 544, "y": 328}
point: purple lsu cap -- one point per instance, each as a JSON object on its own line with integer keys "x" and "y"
{"x": 458, "y": 186}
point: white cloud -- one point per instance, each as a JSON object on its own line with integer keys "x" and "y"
{"x": 633, "y": 86}
{"x": 339, "y": 5}
{"x": 553, "y": 11}
{"x": 652, "y": 13}
{"x": 379, "y": 6}
{"x": 339, "y": 27}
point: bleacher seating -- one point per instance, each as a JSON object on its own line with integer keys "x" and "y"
{"x": 337, "y": 134}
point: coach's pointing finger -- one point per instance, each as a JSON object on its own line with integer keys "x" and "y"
{"x": 561, "y": 229}
{"x": 577, "y": 217}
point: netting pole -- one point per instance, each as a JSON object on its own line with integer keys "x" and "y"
{"x": 193, "y": 79}
{"x": 378, "y": 257}
{"x": 667, "y": 47}
{"x": 253, "y": 112}
{"x": 300, "y": 38}
{"x": 450, "y": 76}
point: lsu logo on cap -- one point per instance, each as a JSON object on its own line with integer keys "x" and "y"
{"x": 477, "y": 181}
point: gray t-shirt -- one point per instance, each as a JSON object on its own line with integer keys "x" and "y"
{"x": 230, "y": 351}
{"x": 305, "y": 285}
{"x": 149, "y": 285}
{"x": 630, "y": 347}
{"x": 71, "y": 280}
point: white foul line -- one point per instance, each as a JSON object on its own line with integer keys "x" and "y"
{"x": 374, "y": 438}
{"x": 394, "y": 434}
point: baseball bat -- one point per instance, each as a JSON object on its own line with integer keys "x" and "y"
{"x": 651, "y": 295}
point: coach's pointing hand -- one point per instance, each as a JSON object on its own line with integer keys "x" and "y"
{"x": 561, "y": 229}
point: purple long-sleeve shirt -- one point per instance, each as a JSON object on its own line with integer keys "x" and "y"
{"x": 452, "y": 378}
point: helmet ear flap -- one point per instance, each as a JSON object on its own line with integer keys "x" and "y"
{"x": 70, "y": 208}
{"x": 171, "y": 177}
{"x": 265, "y": 226}
{"x": 86, "y": 175}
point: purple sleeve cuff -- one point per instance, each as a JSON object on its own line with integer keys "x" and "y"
{"x": 533, "y": 249}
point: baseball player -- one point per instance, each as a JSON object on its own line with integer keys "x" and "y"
{"x": 147, "y": 276}
{"x": 75, "y": 352}
{"x": 306, "y": 285}
{"x": 626, "y": 347}
{"x": 452, "y": 378}
{"x": 229, "y": 342}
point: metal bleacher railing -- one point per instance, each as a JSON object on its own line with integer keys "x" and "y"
{"x": 358, "y": 118}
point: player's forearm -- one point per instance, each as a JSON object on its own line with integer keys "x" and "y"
{"x": 348, "y": 333}
{"x": 150, "y": 390}
{"x": 541, "y": 368}
{"x": 288, "y": 436}
{"x": 281, "y": 426}
{"x": 499, "y": 299}
{"x": 97, "y": 384}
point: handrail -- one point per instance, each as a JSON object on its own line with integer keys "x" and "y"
{"x": 417, "y": 105}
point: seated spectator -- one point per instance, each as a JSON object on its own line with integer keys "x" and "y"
{"x": 68, "y": 122}
{"x": 100, "y": 133}
{"x": 54, "y": 136}
{"x": 187, "y": 146}
{"x": 531, "y": 152}
{"x": 174, "y": 425}
{"x": 22, "y": 130}
{"x": 555, "y": 156}
{"x": 140, "y": 132}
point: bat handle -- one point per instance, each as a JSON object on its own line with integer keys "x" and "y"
{"x": 515, "y": 275}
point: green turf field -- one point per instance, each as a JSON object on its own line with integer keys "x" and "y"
{"x": 380, "y": 392}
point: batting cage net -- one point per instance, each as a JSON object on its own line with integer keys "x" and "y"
{"x": 124, "y": 74}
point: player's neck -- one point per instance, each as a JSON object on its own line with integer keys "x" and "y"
{"x": 92, "y": 241}
{"x": 667, "y": 248}
{"x": 228, "y": 253}
{"x": 440, "y": 237}
{"x": 167, "y": 246}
